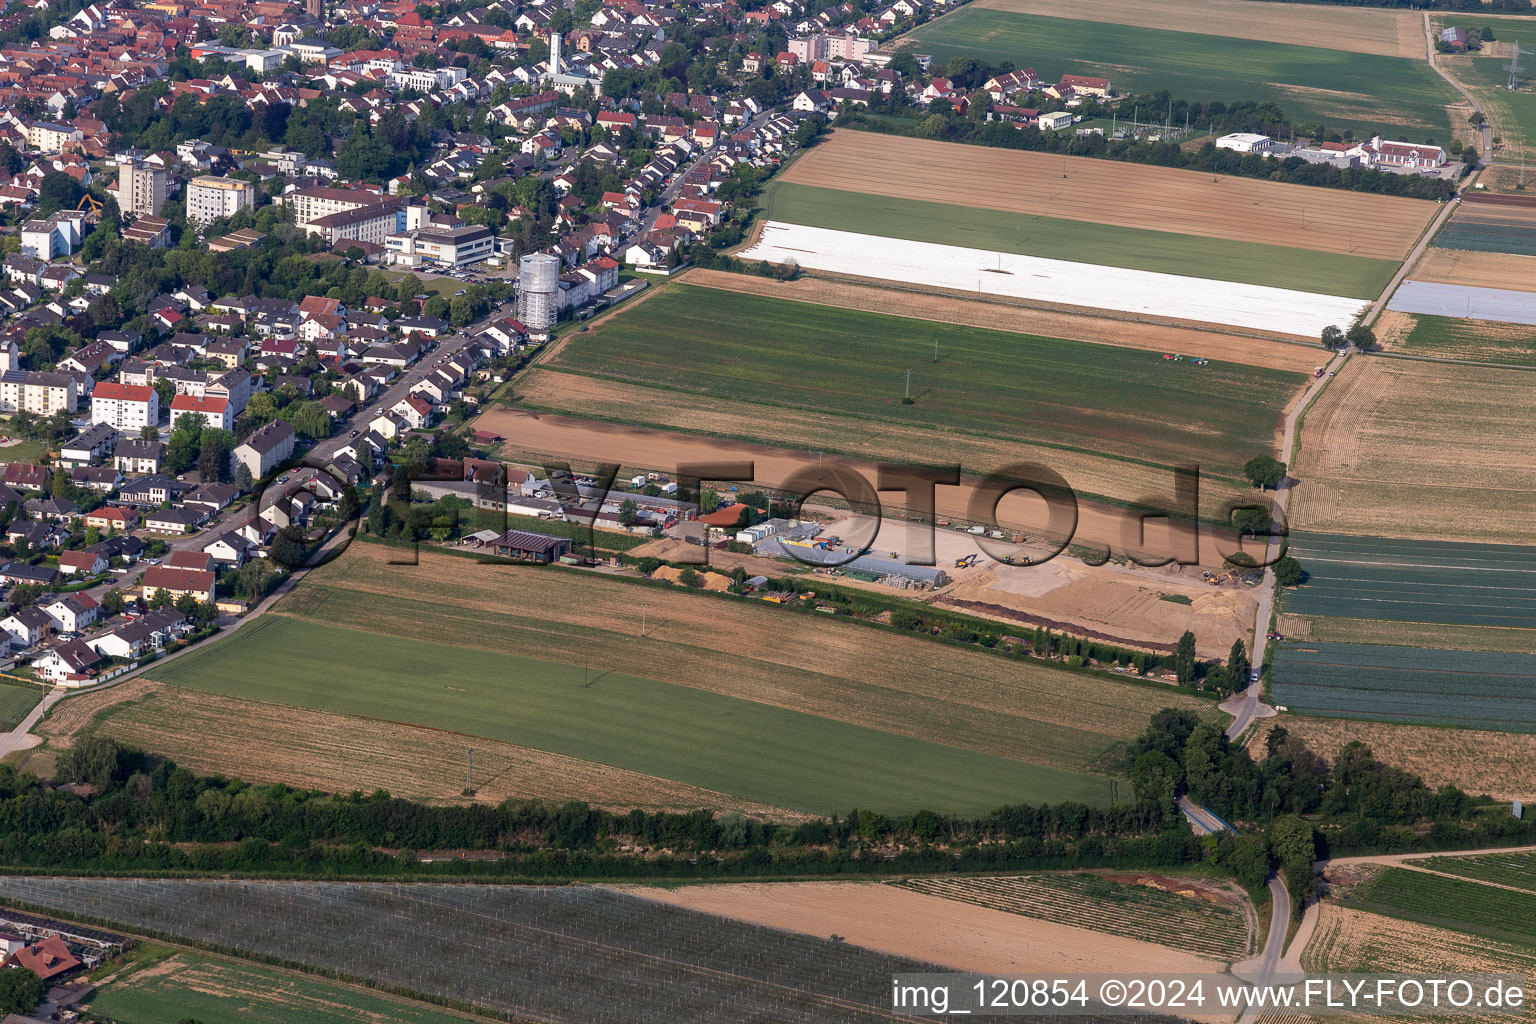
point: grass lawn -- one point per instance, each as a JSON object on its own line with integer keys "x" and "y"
{"x": 741, "y": 747}
{"x": 1392, "y": 95}
{"x": 1053, "y": 238}
{"x": 15, "y": 701}
{"x": 1122, "y": 402}
{"x": 221, "y": 992}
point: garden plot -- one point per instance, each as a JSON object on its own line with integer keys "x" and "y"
{"x": 1058, "y": 282}
{"x": 1472, "y": 303}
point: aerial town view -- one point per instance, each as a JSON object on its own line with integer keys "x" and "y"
{"x": 772, "y": 511}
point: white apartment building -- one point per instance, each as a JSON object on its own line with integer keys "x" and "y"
{"x": 128, "y": 407}
{"x": 310, "y": 204}
{"x": 140, "y": 187}
{"x": 210, "y": 197}
{"x": 39, "y": 393}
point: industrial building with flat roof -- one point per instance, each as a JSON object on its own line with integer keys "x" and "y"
{"x": 863, "y": 565}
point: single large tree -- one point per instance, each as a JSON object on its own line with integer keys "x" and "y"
{"x": 1184, "y": 658}
{"x": 1264, "y": 471}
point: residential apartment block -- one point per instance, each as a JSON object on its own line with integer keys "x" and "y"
{"x": 210, "y": 197}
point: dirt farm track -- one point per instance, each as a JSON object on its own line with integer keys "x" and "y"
{"x": 1387, "y": 33}
{"x": 1107, "y": 192}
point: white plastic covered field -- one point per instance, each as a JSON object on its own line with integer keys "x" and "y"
{"x": 1057, "y": 281}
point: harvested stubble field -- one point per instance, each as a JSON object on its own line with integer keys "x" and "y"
{"x": 1205, "y": 921}
{"x": 1387, "y": 33}
{"x": 1444, "y": 337}
{"x": 572, "y": 955}
{"x": 1500, "y": 764}
{"x": 1402, "y": 448}
{"x": 725, "y": 672}
{"x": 1416, "y": 685}
{"x": 960, "y": 936}
{"x": 213, "y": 734}
{"x": 1461, "y": 905}
{"x": 1045, "y": 233}
{"x": 774, "y": 364}
{"x": 1350, "y": 940}
{"x": 1109, "y": 192}
{"x": 1004, "y": 316}
{"x": 223, "y": 992}
{"x": 1414, "y": 581}
{"x": 1482, "y": 269}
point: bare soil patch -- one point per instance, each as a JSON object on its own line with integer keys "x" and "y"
{"x": 266, "y": 743}
{"x": 1480, "y": 269}
{"x": 1006, "y": 317}
{"x": 1501, "y": 764}
{"x": 906, "y": 923}
{"x": 1116, "y": 604}
{"x": 1107, "y": 192}
{"x": 1402, "y": 448}
{"x": 1388, "y": 33}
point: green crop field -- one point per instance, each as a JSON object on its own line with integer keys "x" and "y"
{"x": 15, "y": 701}
{"x": 1414, "y": 581}
{"x": 1366, "y": 93}
{"x": 1512, "y": 114}
{"x": 1488, "y": 234}
{"x": 740, "y": 747}
{"x": 1416, "y": 685}
{"x": 1485, "y": 341}
{"x": 1078, "y": 397}
{"x": 1110, "y": 245}
{"x": 1465, "y": 906}
{"x": 1515, "y": 869}
{"x": 221, "y": 992}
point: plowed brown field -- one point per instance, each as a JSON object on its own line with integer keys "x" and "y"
{"x": 1108, "y": 192}
{"x": 1388, "y": 33}
{"x": 1402, "y": 448}
{"x": 999, "y": 316}
{"x": 266, "y": 743}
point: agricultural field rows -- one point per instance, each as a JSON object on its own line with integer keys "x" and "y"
{"x": 1490, "y": 226}
{"x": 1513, "y": 869}
{"x": 580, "y": 955}
{"x": 716, "y": 672}
{"x": 1108, "y": 192}
{"x": 1464, "y": 906}
{"x": 1407, "y": 634}
{"x": 955, "y": 308}
{"x": 776, "y": 353}
{"x": 1057, "y": 284}
{"x": 1488, "y": 341}
{"x": 744, "y": 748}
{"x": 1092, "y": 901}
{"x": 1500, "y": 305}
{"x": 1343, "y": 90}
{"x": 225, "y": 992}
{"x": 1500, "y": 764}
{"x": 1400, "y": 448}
{"x": 1051, "y": 237}
{"x": 1483, "y": 689}
{"x": 1354, "y": 29}
{"x": 1350, "y": 940}
{"x": 1415, "y": 581}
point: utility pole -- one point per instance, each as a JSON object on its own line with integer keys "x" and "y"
{"x": 642, "y": 620}
{"x": 469, "y": 771}
{"x": 935, "y": 349}
{"x": 908, "y": 395}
